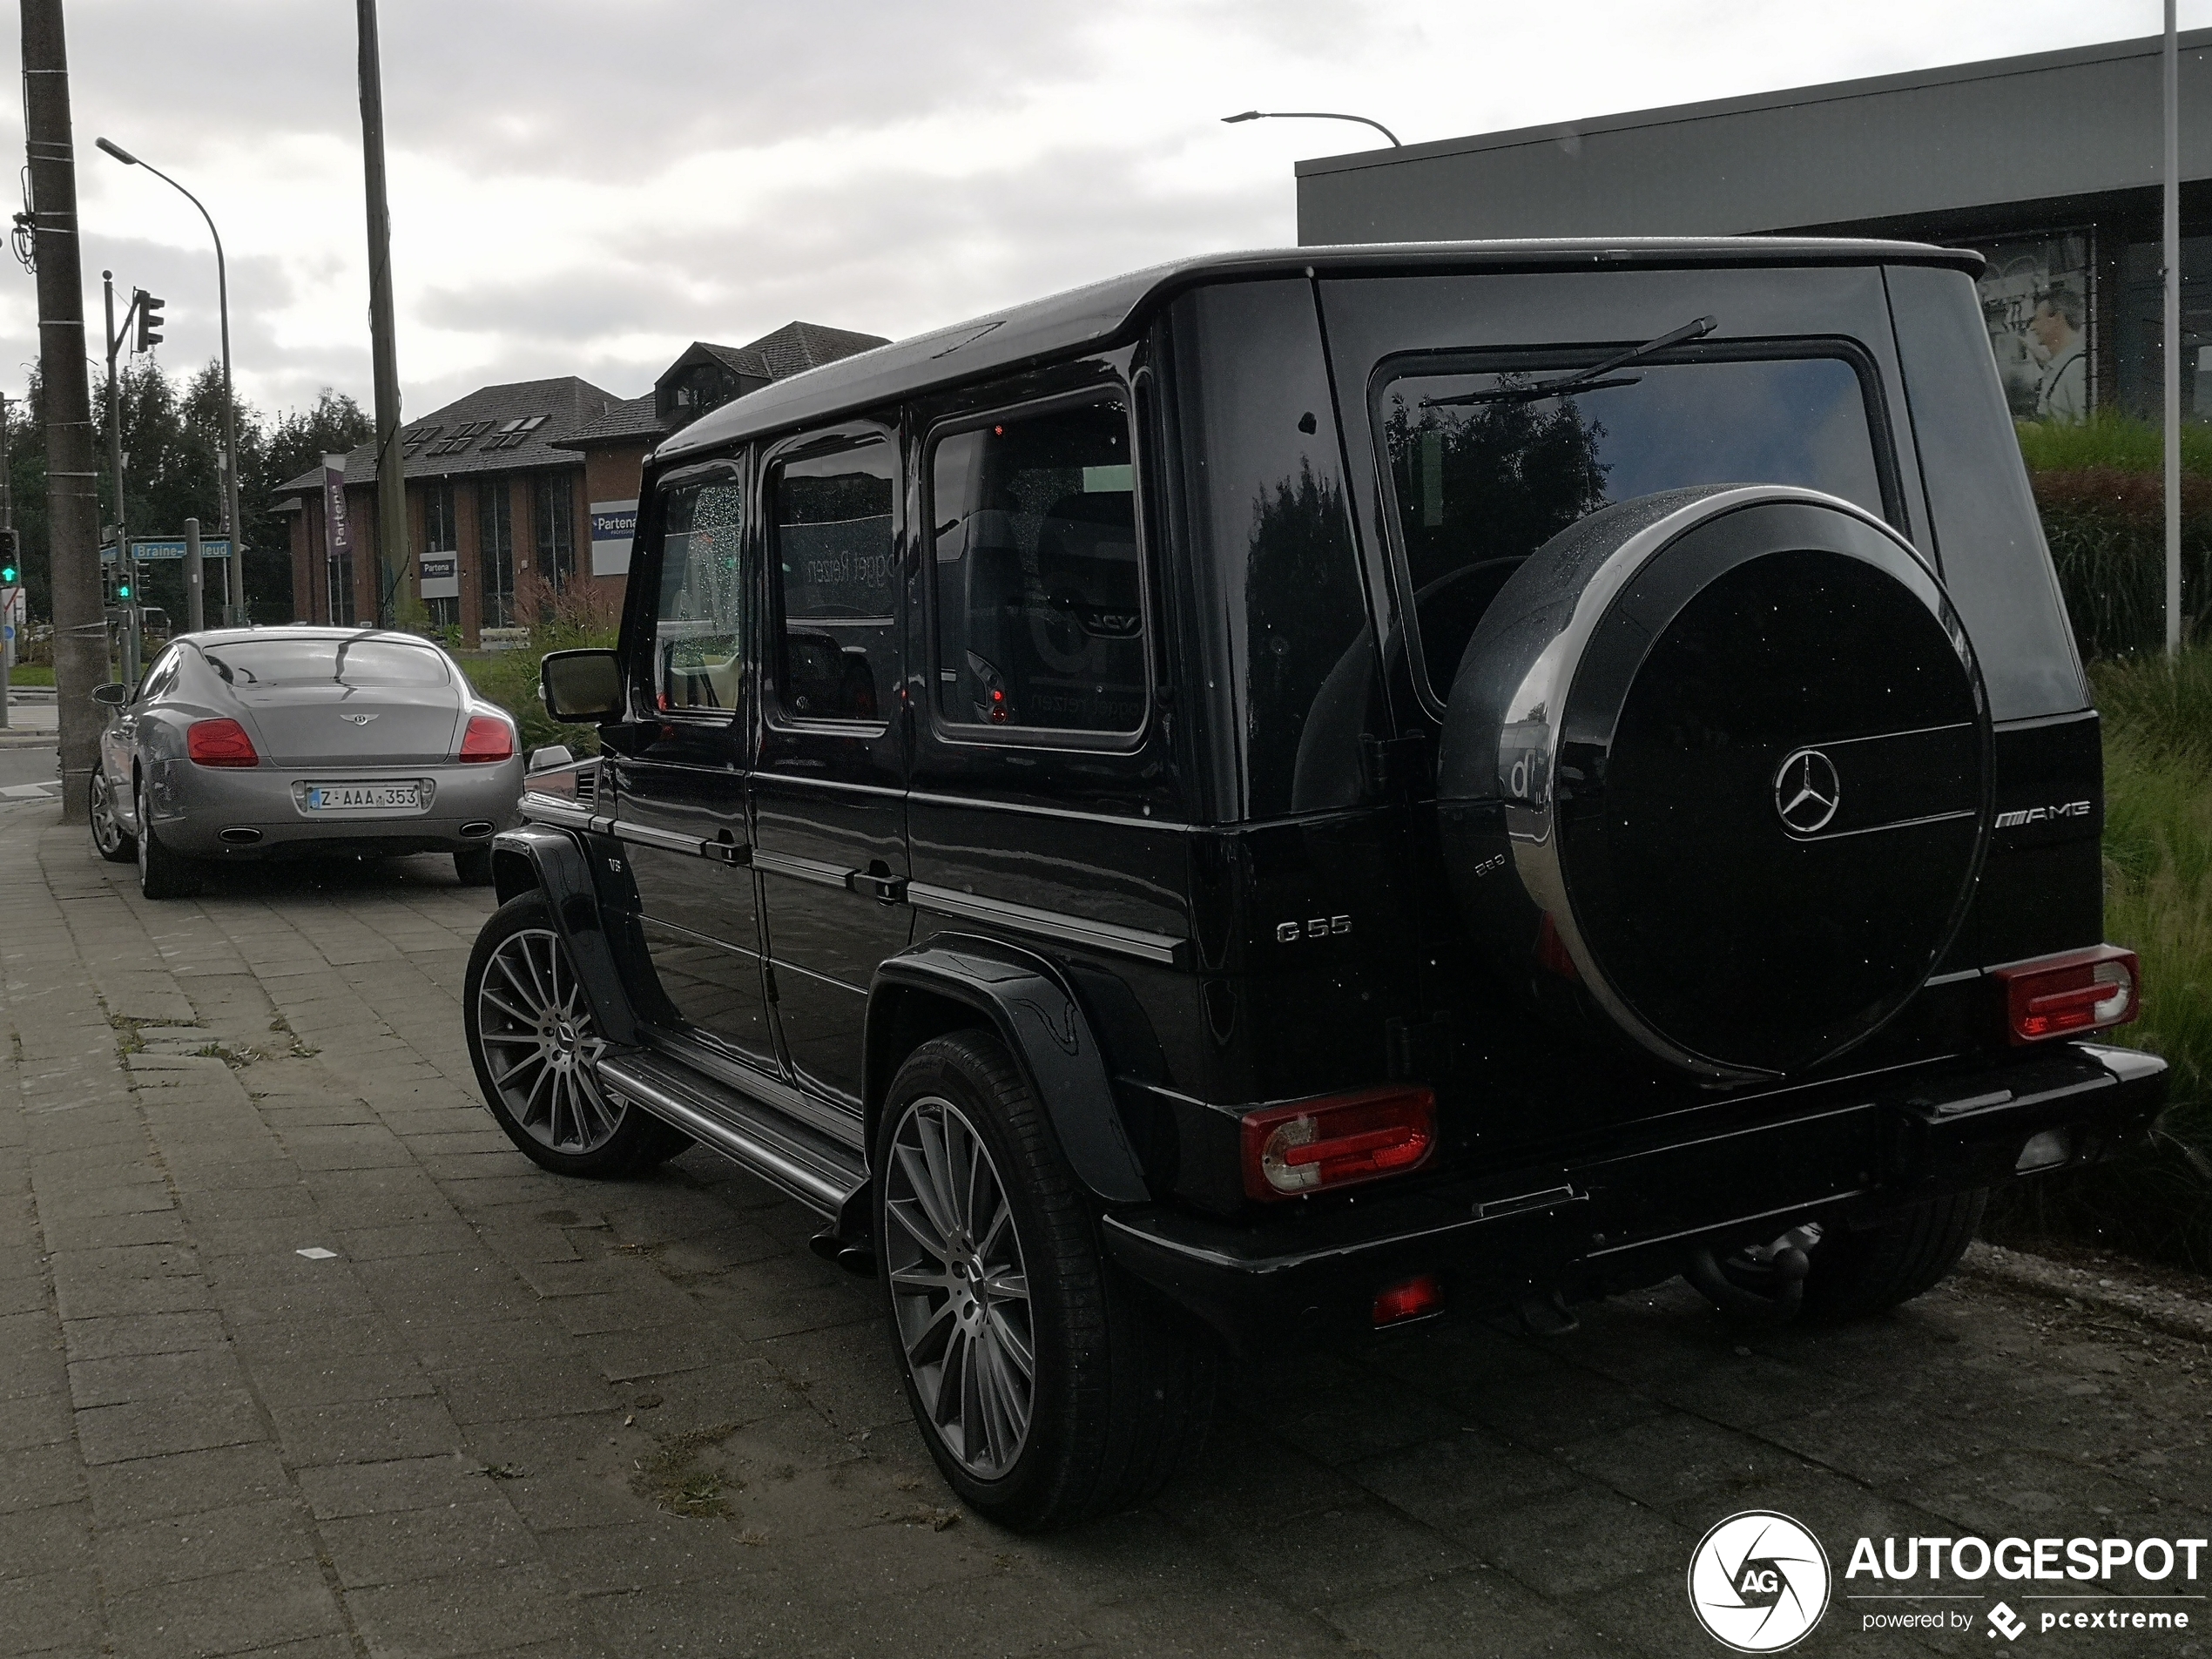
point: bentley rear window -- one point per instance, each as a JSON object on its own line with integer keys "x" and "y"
{"x": 327, "y": 662}
{"x": 1486, "y": 466}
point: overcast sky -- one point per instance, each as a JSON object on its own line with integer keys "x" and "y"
{"x": 584, "y": 187}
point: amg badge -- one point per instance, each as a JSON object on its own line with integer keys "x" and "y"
{"x": 2043, "y": 814}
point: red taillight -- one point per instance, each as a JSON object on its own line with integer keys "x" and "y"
{"x": 488, "y": 737}
{"x": 1318, "y": 1145}
{"x": 1415, "y": 1300}
{"x": 219, "y": 743}
{"x": 2069, "y": 995}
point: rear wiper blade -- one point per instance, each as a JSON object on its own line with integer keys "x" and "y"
{"x": 1582, "y": 380}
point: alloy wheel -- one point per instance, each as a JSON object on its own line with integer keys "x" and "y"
{"x": 107, "y": 830}
{"x": 542, "y": 1048}
{"x": 958, "y": 1287}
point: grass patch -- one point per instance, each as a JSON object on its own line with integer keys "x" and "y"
{"x": 2118, "y": 441}
{"x": 678, "y": 1478}
{"x": 509, "y": 678}
{"x": 31, "y": 674}
{"x": 2155, "y": 1200}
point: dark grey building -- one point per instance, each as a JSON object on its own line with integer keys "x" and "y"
{"x": 2048, "y": 164}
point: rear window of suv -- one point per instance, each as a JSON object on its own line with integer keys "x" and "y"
{"x": 1484, "y": 467}
{"x": 326, "y": 661}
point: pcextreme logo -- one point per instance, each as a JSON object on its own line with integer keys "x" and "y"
{"x": 1759, "y": 1581}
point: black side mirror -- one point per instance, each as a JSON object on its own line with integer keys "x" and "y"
{"x": 110, "y": 696}
{"x": 583, "y": 687}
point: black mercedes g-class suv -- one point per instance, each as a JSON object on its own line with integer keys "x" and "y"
{"x": 1285, "y": 794}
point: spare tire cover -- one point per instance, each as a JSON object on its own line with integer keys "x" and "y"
{"x": 1720, "y": 759}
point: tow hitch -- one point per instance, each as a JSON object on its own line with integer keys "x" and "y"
{"x": 1761, "y": 1285}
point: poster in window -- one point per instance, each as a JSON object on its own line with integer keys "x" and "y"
{"x": 2035, "y": 299}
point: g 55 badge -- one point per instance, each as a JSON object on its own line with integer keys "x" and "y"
{"x": 1288, "y": 933}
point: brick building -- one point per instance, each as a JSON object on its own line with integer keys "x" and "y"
{"x": 522, "y": 498}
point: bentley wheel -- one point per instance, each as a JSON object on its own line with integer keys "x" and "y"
{"x": 1047, "y": 1387}
{"x": 536, "y": 1049}
{"x": 110, "y": 840}
{"x": 162, "y": 874}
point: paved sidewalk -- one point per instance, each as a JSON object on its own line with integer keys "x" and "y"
{"x": 300, "y": 1357}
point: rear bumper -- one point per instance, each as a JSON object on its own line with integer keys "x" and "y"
{"x": 1629, "y": 1217}
{"x": 193, "y": 805}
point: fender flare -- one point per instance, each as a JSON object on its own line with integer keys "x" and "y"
{"x": 1031, "y": 1006}
{"x": 553, "y": 861}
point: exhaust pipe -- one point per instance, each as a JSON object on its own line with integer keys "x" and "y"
{"x": 239, "y": 835}
{"x": 481, "y": 826}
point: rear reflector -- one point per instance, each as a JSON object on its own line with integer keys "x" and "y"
{"x": 219, "y": 743}
{"x": 489, "y": 739}
{"x": 2072, "y": 994}
{"x": 1318, "y": 1145}
{"x": 1415, "y": 1300}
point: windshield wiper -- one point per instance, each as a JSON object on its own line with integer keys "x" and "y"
{"x": 1582, "y": 380}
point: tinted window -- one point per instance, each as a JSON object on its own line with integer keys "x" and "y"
{"x": 699, "y": 627}
{"x": 1040, "y": 601}
{"x": 327, "y": 662}
{"x": 1485, "y": 469}
{"x": 161, "y": 676}
{"x": 835, "y": 569}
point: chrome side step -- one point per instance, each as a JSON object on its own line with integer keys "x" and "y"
{"x": 808, "y": 1165}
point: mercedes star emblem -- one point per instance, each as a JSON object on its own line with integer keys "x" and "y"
{"x": 358, "y": 719}
{"x": 1806, "y": 794}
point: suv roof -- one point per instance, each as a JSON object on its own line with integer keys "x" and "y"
{"x": 1095, "y": 316}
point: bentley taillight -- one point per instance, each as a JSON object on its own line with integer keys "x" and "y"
{"x": 489, "y": 739}
{"x": 1341, "y": 1141}
{"x": 2071, "y": 995}
{"x": 219, "y": 743}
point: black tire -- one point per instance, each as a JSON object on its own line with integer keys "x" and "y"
{"x": 473, "y": 866}
{"x": 1855, "y": 1274}
{"x": 1122, "y": 1389}
{"x": 162, "y": 874}
{"x": 610, "y": 1141}
{"x": 110, "y": 840}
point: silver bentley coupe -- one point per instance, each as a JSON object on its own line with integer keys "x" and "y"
{"x": 298, "y": 742}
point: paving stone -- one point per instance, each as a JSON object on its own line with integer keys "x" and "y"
{"x": 332, "y": 1379}
{"x": 36, "y": 1477}
{"x": 227, "y": 1612}
{"x": 148, "y": 1428}
{"x": 46, "y": 1540}
{"x": 51, "y": 1612}
{"x": 466, "y": 1613}
{"x": 358, "y": 1432}
{"x": 342, "y": 1489}
{"x": 156, "y": 1377}
{"x": 174, "y": 1549}
{"x": 403, "y": 1546}
{"x": 186, "y": 1483}
{"x": 141, "y": 1333}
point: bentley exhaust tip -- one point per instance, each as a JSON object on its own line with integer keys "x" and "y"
{"x": 239, "y": 835}
{"x": 480, "y": 827}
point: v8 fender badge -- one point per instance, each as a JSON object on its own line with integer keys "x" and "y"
{"x": 2044, "y": 814}
{"x": 1288, "y": 933}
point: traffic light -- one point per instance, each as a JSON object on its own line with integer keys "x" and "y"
{"x": 150, "y": 320}
{"x": 9, "y": 573}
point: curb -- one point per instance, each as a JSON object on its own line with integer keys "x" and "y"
{"x": 2168, "y": 1311}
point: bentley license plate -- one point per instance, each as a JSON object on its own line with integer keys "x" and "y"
{"x": 361, "y": 797}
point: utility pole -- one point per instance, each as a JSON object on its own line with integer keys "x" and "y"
{"x": 13, "y": 573}
{"x": 72, "y": 496}
{"x": 391, "y": 470}
{"x": 2171, "y": 321}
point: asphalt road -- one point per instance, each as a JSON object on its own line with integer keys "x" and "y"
{"x": 497, "y": 1411}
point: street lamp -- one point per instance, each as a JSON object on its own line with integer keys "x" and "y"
{"x": 1295, "y": 115}
{"x": 234, "y": 581}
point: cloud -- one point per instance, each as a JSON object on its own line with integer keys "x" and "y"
{"x": 582, "y": 187}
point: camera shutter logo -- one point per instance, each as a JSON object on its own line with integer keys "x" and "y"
{"x": 1759, "y": 1581}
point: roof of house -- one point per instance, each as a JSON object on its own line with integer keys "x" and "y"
{"x": 792, "y": 349}
{"x": 494, "y": 428}
{"x": 1094, "y": 317}
{"x": 627, "y": 418}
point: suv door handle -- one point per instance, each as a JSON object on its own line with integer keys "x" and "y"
{"x": 727, "y": 852}
{"x": 885, "y": 889}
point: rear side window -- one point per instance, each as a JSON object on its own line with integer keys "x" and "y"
{"x": 326, "y": 661}
{"x": 1484, "y": 467}
{"x": 835, "y": 566}
{"x": 1039, "y": 585}
{"x": 699, "y": 624}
